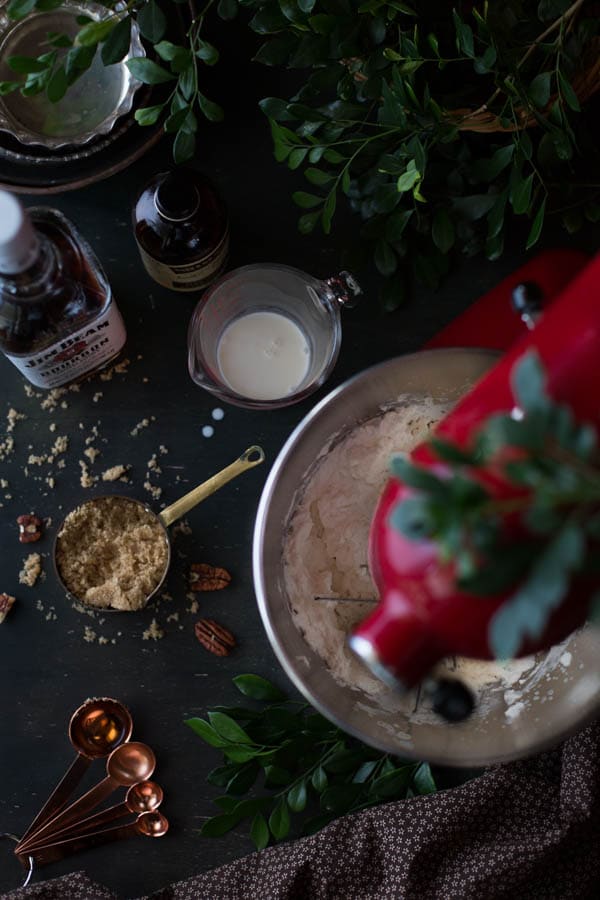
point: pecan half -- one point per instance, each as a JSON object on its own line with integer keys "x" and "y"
{"x": 6, "y": 601}
{"x": 214, "y": 637}
{"x": 30, "y": 528}
{"x": 208, "y": 578}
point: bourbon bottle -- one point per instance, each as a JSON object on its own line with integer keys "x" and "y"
{"x": 58, "y": 319}
{"x": 181, "y": 228}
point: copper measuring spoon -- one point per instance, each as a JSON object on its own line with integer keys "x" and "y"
{"x": 128, "y": 764}
{"x": 149, "y": 824}
{"x": 251, "y": 457}
{"x": 146, "y": 796}
{"x": 96, "y": 728}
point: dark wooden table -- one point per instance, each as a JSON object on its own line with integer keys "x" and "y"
{"x": 47, "y": 666}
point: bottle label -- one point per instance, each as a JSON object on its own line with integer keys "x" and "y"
{"x": 75, "y": 355}
{"x": 192, "y": 276}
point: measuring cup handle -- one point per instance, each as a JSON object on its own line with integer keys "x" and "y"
{"x": 71, "y": 814}
{"x": 59, "y": 797}
{"x": 51, "y": 852}
{"x": 251, "y": 457}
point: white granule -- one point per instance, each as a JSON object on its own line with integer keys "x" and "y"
{"x": 218, "y": 414}
{"x": 207, "y": 431}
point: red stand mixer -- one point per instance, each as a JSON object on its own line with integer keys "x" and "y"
{"x": 422, "y": 616}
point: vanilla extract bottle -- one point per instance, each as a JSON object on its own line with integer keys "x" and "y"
{"x": 58, "y": 320}
{"x": 181, "y": 228}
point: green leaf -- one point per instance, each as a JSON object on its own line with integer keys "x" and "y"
{"x": 227, "y": 9}
{"x": 258, "y": 688}
{"x": 307, "y": 222}
{"x": 451, "y": 452}
{"x": 116, "y": 46}
{"x": 94, "y": 32}
{"x": 385, "y": 258}
{"x": 393, "y": 784}
{"x": 19, "y": 8}
{"x": 306, "y": 5}
{"x": 259, "y": 831}
{"x": 539, "y": 89}
{"x": 7, "y": 87}
{"x": 489, "y": 169}
{"x": 528, "y": 383}
{"x": 239, "y": 754}
{"x": 212, "y": 111}
{"x": 417, "y": 477}
{"x": 552, "y": 9}
{"x": 442, "y": 230}
{"x": 58, "y": 84}
{"x": 204, "y": 730}
{"x": 78, "y": 60}
{"x": 148, "y": 115}
{"x": 184, "y": 146}
{"x": 409, "y": 178}
{"x": 536, "y": 228}
{"x": 328, "y": 210}
{"x": 218, "y": 825}
{"x": 279, "y": 820}
{"x": 152, "y": 21}
{"x": 521, "y": 197}
{"x": 148, "y": 72}
{"x": 297, "y": 797}
{"x": 306, "y": 201}
{"x": 319, "y": 779}
{"x": 569, "y": 95}
{"x": 527, "y": 612}
{"x": 396, "y": 223}
{"x": 365, "y": 771}
{"x": 25, "y": 65}
{"x": 393, "y": 293}
{"x": 318, "y": 177}
{"x": 423, "y": 780}
{"x": 207, "y": 53}
{"x": 473, "y": 207}
{"x": 228, "y": 728}
{"x": 222, "y": 775}
{"x": 297, "y": 157}
{"x": 243, "y": 779}
{"x": 412, "y": 518}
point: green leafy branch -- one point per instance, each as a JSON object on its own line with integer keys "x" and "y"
{"x": 304, "y": 766}
{"x": 549, "y": 463}
{"x": 383, "y": 118}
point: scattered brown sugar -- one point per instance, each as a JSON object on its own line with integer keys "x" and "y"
{"x": 114, "y": 473}
{"x": 111, "y": 552}
{"x": 91, "y": 453}
{"x": 153, "y": 489}
{"x": 154, "y": 632}
{"x": 86, "y": 480}
{"x": 32, "y": 569}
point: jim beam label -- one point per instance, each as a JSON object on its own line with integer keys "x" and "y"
{"x": 192, "y": 276}
{"x": 74, "y": 356}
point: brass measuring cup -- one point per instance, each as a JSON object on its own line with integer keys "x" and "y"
{"x": 251, "y": 457}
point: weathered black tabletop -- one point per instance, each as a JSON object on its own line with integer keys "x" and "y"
{"x": 48, "y": 667}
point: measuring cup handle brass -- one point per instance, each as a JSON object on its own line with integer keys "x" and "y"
{"x": 188, "y": 501}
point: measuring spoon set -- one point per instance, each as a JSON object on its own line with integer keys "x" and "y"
{"x": 99, "y": 729}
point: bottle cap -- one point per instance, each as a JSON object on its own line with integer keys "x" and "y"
{"x": 18, "y": 240}
{"x": 176, "y": 198}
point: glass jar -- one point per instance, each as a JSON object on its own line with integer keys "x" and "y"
{"x": 267, "y": 336}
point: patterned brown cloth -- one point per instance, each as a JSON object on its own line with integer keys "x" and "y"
{"x": 529, "y": 830}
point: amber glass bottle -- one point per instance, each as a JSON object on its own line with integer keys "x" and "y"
{"x": 58, "y": 319}
{"x": 181, "y": 228}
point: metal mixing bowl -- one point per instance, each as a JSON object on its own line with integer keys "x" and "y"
{"x": 555, "y": 695}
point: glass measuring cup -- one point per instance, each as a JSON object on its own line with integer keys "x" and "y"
{"x": 287, "y": 334}
{"x": 156, "y": 523}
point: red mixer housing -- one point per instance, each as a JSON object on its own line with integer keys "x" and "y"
{"x": 422, "y": 616}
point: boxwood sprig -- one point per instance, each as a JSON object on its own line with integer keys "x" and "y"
{"x": 284, "y": 760}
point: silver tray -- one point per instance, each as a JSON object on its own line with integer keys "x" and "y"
{"x": 90, "y": 107}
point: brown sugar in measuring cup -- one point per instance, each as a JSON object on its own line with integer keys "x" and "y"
{"x": 113, "y": 552}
